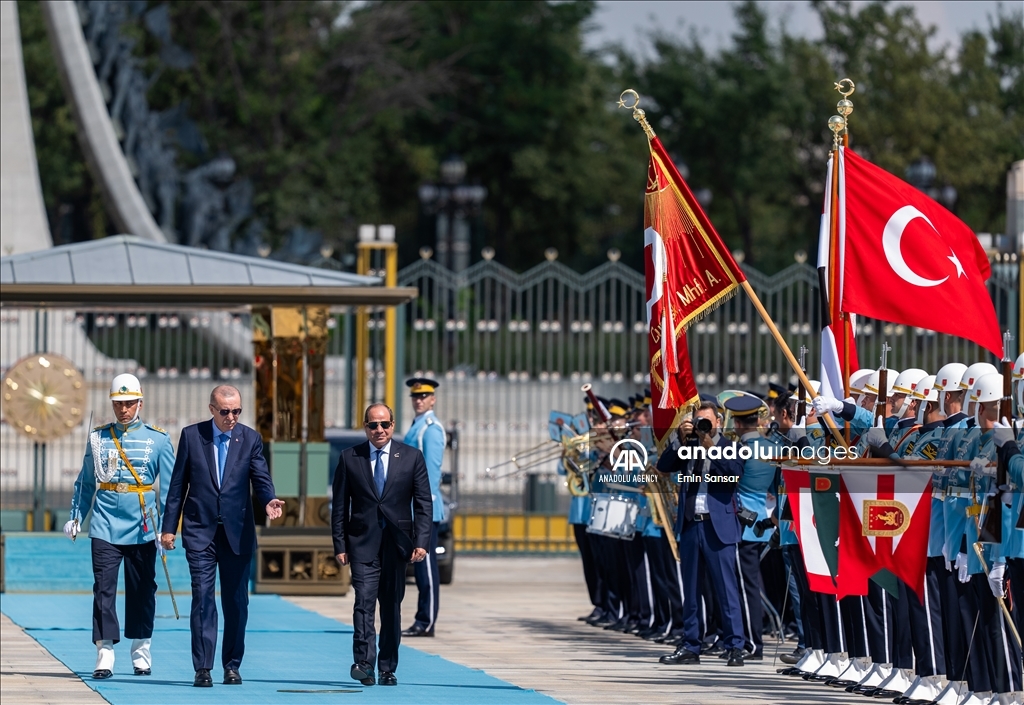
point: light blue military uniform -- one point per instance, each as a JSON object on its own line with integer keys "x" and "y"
{"x": 117, "y": 515}
{"x": 427, "y": 435}
{"x": 757, "y": 481}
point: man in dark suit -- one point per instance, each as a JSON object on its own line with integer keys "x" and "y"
{"x": 217, "y": 463}
{"x": 381, "y": 519}
{"x": 708, "y": 531}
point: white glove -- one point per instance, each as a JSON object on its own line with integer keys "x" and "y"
{"x": 1006, "y": 495}
{"x": 799, "y": 429}
{"x": 980, "y": 466}
{"x": 876, "y": 434}
{"x": 961, "y": 568}
{"x": 995, "y": 579}
{"x": 71, "y": 529}
{"x": 827, "y": 404}
{"x": 1002, "y": 433}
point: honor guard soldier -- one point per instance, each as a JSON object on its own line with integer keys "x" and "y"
{"x": 122, "y": 463}
{"x": 427, "y": 436}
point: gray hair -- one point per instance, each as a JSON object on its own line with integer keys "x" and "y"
{"x": 224, "y": 390}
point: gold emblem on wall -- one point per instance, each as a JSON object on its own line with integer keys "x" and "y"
{"x": 44, "y": 397}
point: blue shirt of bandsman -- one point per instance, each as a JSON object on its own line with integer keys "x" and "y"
{"x": 929, "y": 445}
{"x": 958, "y": 493}
{"x": 117, "y": 515}
{"x": 427, "y": 435}
{"x": 1013, "y": 546}
{"x": 757, "y": 481}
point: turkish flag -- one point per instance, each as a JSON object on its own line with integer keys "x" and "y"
{"x": 906, "y": 259}
{"x": 884, "y": 518}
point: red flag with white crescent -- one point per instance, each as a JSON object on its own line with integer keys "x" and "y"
{"x": 688, "y": 272}
{"x": 906, "y": 259}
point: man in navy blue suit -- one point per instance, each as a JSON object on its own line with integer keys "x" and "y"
{"x": 708, "y": 531}
{"x": 217, "y": 463}
{"x": 380, "y": 520}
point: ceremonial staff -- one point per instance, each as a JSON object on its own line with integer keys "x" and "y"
{"x": 882, "y": 398}
{"x": 801, "y": 390}
{"x": 167, "y": 573}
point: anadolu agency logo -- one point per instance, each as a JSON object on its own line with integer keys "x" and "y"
{"x": 628, "y": 456}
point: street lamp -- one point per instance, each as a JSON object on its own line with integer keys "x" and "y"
{"x": 452, "y": 201}
{"x": 921, "y": 174}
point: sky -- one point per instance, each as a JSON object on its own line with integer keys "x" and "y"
{"x": 630, "y": 22}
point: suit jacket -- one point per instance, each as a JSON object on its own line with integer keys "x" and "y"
{"x": 194, "y": 490}
{"x": 357, "y": 510}
{"x": 721, "y": 495}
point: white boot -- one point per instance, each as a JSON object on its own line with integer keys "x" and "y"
{"x": 141, "y": 658}
{"x": 104, "y": 659}
{"x": 858, "y": 668}
{"x": 878, "y": 673}
{"x": 836, "y": 664}
{"x": 950, "y": 695}
{"x": 924, "y": 688}
{"x": 898, "y": 682}
{"x": 1001, "y": 699}
{"x": 976, "y": 698}
{"x": 811, "y": 661}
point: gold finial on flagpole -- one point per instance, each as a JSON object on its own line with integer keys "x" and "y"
{"x": 639, "y": 115}
{"x": 844, "y": 107}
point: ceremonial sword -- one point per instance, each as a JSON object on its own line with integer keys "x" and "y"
{"x": 167, "y": 573}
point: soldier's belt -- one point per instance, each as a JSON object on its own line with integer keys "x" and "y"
{"x": 124, "y": 487}
{"x": 957, "y": 491}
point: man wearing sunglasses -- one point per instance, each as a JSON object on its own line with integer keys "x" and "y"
{"x": 218, "y": 461}
{"x": 380, "y": 520}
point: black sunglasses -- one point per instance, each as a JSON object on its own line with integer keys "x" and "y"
{"x": 233, "y": 412}
{"x": 372, "y": 425}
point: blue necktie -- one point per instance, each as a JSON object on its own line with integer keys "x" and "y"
{"x": 378, "y": 473}
{"x": 222, "y": 455}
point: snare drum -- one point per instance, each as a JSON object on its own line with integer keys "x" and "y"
{"x": 614, "y": 516}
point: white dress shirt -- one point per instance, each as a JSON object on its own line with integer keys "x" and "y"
{"x": 385, "y": 457}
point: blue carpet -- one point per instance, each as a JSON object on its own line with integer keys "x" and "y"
{"x": 292, "y": 656}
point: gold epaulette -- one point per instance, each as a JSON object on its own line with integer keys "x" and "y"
{"x": 102, "y": 427}
{"x": 157, "y": 429}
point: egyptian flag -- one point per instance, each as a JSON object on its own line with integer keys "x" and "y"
{"x": 688, "y": 272}
{"x": 813, "y": 499}
{"x": 833, "y": 374}
{"x": 883, "y": 525}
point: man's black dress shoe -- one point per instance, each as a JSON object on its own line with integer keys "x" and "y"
{"x": 649, "y": 632}
{"x": 605, "y": 621}
{"x": 143, "y": 671}
{"x": 594, "y": 615}
{"x": 101, "y": 674}
{"x": 715, "y": 649}
{"x": 618, "y": 625}
{"x": 735, "y": 657}
{"x": 388, "y": 678}
{"x": 682, "y": 657}
{"x": 793, "y": 657}
{"x": 232, "y": 677}
{"x": 672, "y": 640}
{"x": 203, "y": 679}
{"x": 363, "y": 672}
{"x": 415, "y": 630}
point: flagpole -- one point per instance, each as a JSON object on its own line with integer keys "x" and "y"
{"x": 844, "y": 107}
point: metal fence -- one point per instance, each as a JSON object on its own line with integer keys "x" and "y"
{"x": 506, "y": 347}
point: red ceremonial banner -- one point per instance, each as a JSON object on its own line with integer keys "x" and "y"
{"x": 688, "y": 272}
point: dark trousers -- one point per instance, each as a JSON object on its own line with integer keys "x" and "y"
{"x": 663, "y": 580}
{"x": 810, "y": 610}
{"x": 139, "y": 587}
{"x": 382, "y": 581}
{"x": 903, "y": 643}
{"x": 1015, "y": 572}
{"x": 853, "y": 611}
{"x": 951, "y": 591}
{"x": 428, "y": 584}
{"x": 831, "y": 623}
{"x": 748, "y": 557}
{"x": 926, "y": 629}
{"x": 699, "y": 544}
{"x": 234, "y": 570}
{"x": 611, "y": 569}
{"x": 587, "y": 556}
{"x": 998, "y": 667}
{"x": 640, "y": 608}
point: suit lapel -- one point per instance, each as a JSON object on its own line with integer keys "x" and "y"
{"x": 234, "y": 450}
{"x": 206, "y": 433}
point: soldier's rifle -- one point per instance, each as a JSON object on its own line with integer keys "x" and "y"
{"x": 882, "y": 398}
{"x": 991, "y": 528}
{"x": 801, "y": 391}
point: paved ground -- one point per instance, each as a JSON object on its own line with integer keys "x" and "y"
{"x": 514, "y": 618}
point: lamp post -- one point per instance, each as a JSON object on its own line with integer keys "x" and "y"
{"x": 452, "y": 201}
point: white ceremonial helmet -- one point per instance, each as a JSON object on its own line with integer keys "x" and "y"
{"x": 906, "y": 383}
{"x": 1018, "y": 377}
{"x": 858, "y": 380}
{"x": 872, "y": 384}
{"x": 809, "y": 394}
{"x": 125, "y": 387}
{"x": 925, "y": 392}
{"x": 988, "y": 389}
{"x": 947, "y": 379}
{"x": 976, "y": 372}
